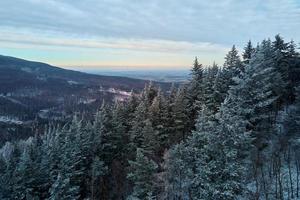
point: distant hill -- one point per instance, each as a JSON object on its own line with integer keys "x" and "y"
{"x": 159, "y": 75}
{"x": 28, "y": 88}
{"x": 34, "y": 92}
{"x": 39, "y": 72}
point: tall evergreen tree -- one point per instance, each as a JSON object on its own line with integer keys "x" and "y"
{"x": 136, "y": 137}
{"x": 142, "y": 174}
{"x": 231, "y": 68}
{"x": 24, "y": 181}
{"x": 257, "y": 91}
{"x": 209, "y": 88}
{"x": 158, "y": 115}
{"x": 98, "y": 169}
{"x": 248, "y": 52}
{"x": 195, "y": 90}
{"x": 232, "y": 64}
{"x": 180, "y": 117}
{"x": 62, "y": 190}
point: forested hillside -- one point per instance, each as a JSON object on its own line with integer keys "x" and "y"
{"x": 33, "y": 94}
{"x": 231, "y": 132}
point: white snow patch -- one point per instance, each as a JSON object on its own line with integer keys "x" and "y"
{"x": 26, "y": 69}
{"x": 120, "y": 92}
{"x": 10, "y": 120}
{"x": 73, "y": 82}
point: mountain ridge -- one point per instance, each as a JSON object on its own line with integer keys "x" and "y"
{"x": 50, "y": 71}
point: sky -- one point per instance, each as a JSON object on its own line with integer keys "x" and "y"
{"x": 139, "y": 34}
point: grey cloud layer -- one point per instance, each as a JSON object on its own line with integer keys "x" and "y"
{"x": 214, "y": 21}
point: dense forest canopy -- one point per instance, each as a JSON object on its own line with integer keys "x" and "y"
{"x": 231, "y": 132}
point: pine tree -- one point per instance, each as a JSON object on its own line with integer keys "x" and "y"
{"x": 24, "y": 177}
{"x": 158, "y": 115}
{"x": 172, "y": 95}
{"x": 179, "y": 172}
{"x": 41, "y": 173}
{"x": 219, "y": 140}
{"x": 248, "y": 52}
{"x": 82, "y": 157}
{"x": 136, "y": 137}
{"x": 179, "y": 117}
{"x": 3, "y": 167}
{"x": 251, "y": 102}
{"x": 148, "y": 94}
{"x": 195, "y": 90}
{"x": 62, "y": 190}
{"x": 207, "y": 165}
{"x": 45, "y": 165}
{"x": 97, "y": 170}
{"x": 150, "y": 143}
{"x": 291, "y": 122}
{"x": 170, "y": 115}
{"x": 219, "y": 93}
{"x": 256, "y": 92}
{"x": 232, "y": 65}
{"x": 197, "y": 70}
{"x": 10, "y": 178}
{"x": 293, "y": 59}
{"x": 119, "y": 127}
{"x": 55, "y": 149}
{"x": 281, "y": 58}
{"x": 209, "y": 93}
{"x": 279, "y": 43}
{"x": 104, "y": 135}
{"x": 231, "y": 68}
{"x": 142, "y": 172}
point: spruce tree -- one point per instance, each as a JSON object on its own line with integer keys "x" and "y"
{"x": 232, "y": 67}
{"x": 180, "y": 117}
{"x": 209, "y": 92}
{"x": 62, "y": 190}
{"x": 98, "y": 169}
{"x": 142, "y": 174}
{"x": 136, "y": 137}
{"x": 150, "y": 144}
{"x": 248, "y": 52}
{"x": 195, "y": 91}
{"x": 179, "y": 172}
{"x": 158, "y": 115}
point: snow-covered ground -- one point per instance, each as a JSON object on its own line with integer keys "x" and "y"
{"x": 87, "y": 101}
{"x": 73, "y": 82}
{"x": 121, "y": 92}
{"x": 10, "y": 120}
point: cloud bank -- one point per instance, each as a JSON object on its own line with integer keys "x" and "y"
{"x": 174, "y": 26}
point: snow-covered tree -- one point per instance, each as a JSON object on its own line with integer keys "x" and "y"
{"x": 62, "y": 190}
{"x": 136, "y": 137}
{"x": 179, "y": 172}
{"x": 142, "y": 174}
{"x": 195, "y": 90}
{"x": 248, "y": 52}
{"x": 97, "y": 170}
{"x": 209, "y": 89}
{"x": 179, "y": 117}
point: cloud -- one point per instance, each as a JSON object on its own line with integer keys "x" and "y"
{"x": 211, "y": 21}
{"x": 189, "y": 27}
{"x": 154, "y": 45}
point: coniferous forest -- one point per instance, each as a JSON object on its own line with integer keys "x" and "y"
{"x": 231, "y": 132}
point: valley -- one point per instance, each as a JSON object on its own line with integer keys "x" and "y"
{"x": 38, "y": 93}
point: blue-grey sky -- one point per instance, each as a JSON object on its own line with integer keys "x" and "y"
{"x": 139, "y": 33}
